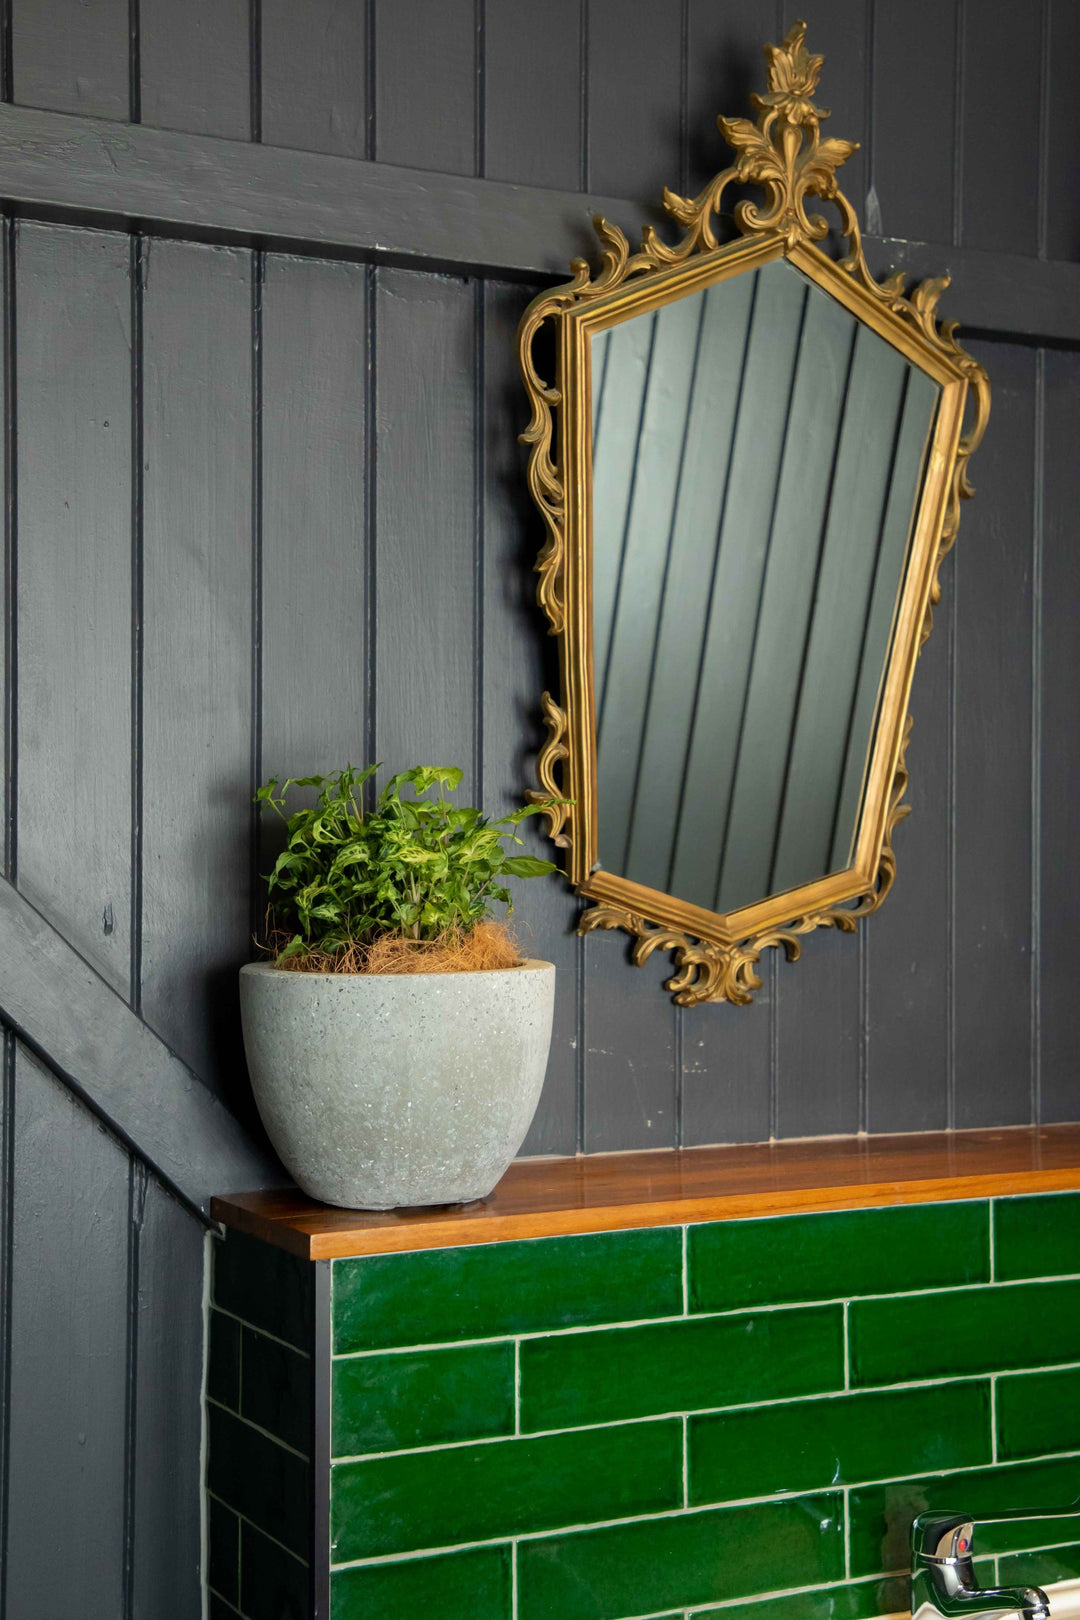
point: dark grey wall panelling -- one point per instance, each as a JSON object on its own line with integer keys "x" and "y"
{"x": 303, "y": 538}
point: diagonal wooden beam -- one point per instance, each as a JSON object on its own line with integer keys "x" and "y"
{"x": 77, "y": 1024}
{"x": 57, "y": 164}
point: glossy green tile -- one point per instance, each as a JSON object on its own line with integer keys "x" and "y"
{"x": 578, "y": 1378}
{"x": 422, "y": 1398}
{"x": 223, "y": 1361}
{"x": 472, "y": 1585}
{"x": 979, "y": 1330}
{"x": 1040, "y": 1568}
{"x": 835, "y": 1256}
{"x": 273, "y": 1584}
{"x": 1037, "y": 1237}
{"x": 881, "y": 1515}
{"x": 223, "y": 1549}
{"x": 687, "y": 1560}
{"x": 275, "y": 1389}
{"x": 1039, "y": 1413}
{"x": 265, "y": 1286}
{"x": 259, "y": 1478}
{"x": 504, "y": 1288}
{"x": 503, "y": 1488}
{"x": 858, "y": 1600}
{"x": 811, "y": 1445}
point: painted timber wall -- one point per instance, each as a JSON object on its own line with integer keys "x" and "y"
{"x": 263, "y": 512}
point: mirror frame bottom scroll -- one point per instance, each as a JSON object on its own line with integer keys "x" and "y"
{"x": 782, "y": 152}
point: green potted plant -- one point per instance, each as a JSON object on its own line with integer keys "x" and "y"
{"x": 396, "y": 1040}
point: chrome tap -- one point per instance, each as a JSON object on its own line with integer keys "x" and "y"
{"x": 943, "y": 1578}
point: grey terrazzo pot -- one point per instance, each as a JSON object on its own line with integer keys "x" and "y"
{"x": 384, "y": 1090}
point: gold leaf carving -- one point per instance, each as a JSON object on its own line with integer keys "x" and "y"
{"x": 553, "y": 752}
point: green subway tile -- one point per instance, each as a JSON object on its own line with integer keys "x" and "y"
{"x": 273, "y": 1584}
{"x": 1037, "y": 1237}
{"x": 1038, "y": 1413}
{"x": 579, "y": 1378}
{"x": 881, "y": 1515}
{"x": 223, "y": 1549}
{"x": 265, "y": 1286}
{"x": 979, "y": 1330}
{"x": 687, "y": 1560}
{"x": 275, "y": 1389}
{"x": 503, "y": 1488}
{"x": 856, "y": 1600}
{"x": 810, "y": 1445}
{"x": 502, "y": 1288}
{"x": 1040, "y": 1568}
{"x": 223, "y": 1361}
{"x": 472, "y": 1585}
{"x": 791, "y": 1258}
{"x": 422, "y": 1398}
{"x": 259, "y": 1478}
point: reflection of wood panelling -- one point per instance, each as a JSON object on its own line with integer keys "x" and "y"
{"x": 749, "y": 537}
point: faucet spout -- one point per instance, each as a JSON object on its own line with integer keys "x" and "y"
{"x": 943, "y": 1576}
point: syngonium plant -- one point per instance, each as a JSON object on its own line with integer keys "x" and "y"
{"x": 417, "y": 867}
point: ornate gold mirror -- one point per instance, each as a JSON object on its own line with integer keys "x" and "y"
{"x": 750, "y": 464}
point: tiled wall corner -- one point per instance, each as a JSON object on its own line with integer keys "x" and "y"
{"x": 634, "y": 1426}
{"x": 258, "y": 1432}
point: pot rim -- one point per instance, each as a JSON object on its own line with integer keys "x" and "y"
{"x": 528, "y": 964}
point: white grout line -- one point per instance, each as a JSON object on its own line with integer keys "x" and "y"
{"x": 258, "y": 1429}
{"x": 686, "y": 1462}
{"x": 517, "y": 1386}
{"x": 295, "y": 1556}
{"x": 262, "y": 1332}
{"x": 847, "y": 1348}
{"x": 695, "y": 1316}
{"x": 513, "y": 1581}
{"x": 847, "y": 1533}
{"x": 993, "y": 1256}
{"x": 993, "y": 1419}
{"x": 685, "y": 1273}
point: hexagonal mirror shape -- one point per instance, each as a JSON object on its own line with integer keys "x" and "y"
{"x": 750, "y": 461}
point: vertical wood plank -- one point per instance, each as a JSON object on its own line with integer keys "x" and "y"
{"x": 532, "y": 93}
{"x": 195, "y": 66}
{"x": 631, "y": 1081}
{"x": 726, "y": 1058}
{"x": 198, "y": 640}
{"x": 817, "y": 1042}
{"x": 634, "y": 100}
{"x": 166, "y": 1467}
{"x": 74, "y": 483}
{"x": 1061, "y": 175}
{"x": 1059, "y": 890}
{"x": 1002, "y": 66}
{"x": 519, "y": 664}
{"x": 911, "y": 154}
{"x": 314, "y": 76}
{"x": 71, "y": 55}
{"x": 313, "y": 549}
{"x": 907, "y": 941}
{"x": 68, "y": 1367}
{"x": 425, "y": 479}
{"x": 993, "y": 761}
{"x": 425, "y": 84}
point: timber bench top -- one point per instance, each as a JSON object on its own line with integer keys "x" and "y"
{"x": 610, "y": 1191}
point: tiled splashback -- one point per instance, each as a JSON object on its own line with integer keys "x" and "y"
{"x": 650, "y": 1423}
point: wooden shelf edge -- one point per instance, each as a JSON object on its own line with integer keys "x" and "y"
{"x": 621, "y": 1191}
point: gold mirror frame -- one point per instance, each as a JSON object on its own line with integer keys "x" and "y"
{"x": 783, "y": 153}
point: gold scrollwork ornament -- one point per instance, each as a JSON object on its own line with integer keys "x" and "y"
{"x": 782, "y": 152}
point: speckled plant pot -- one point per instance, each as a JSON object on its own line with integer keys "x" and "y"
{"x": 383, "y": 1090}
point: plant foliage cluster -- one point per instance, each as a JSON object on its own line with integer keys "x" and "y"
{"x": 414, "y": 866}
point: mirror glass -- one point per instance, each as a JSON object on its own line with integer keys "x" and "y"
{"x": 758, "y": 455}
